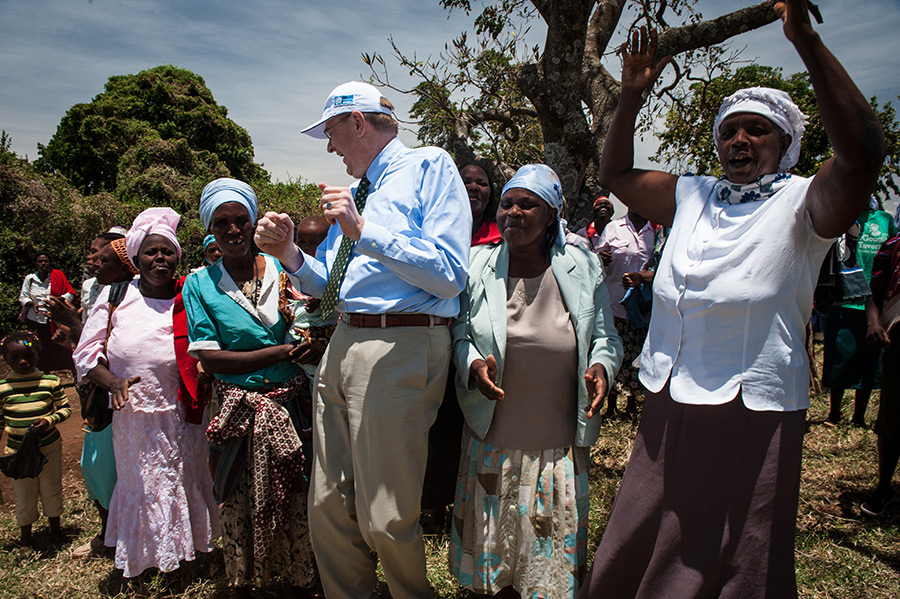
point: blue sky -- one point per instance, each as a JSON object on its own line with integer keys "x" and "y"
{"x": 273, "y": 62}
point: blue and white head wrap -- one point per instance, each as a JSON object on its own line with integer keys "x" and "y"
{"x": 224, "y": 190}
{"x": 542, "y": 181}
{"x": 208, "y": 240}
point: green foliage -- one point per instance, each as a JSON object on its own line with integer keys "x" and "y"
{"x": 499, "y": 121}
{"x": 164, "y": 115}
{"x": 890, "y": 172}
{"x": 686, "y": 143}
{"x": 41, "y": 211}
{"x": 151, "y": 139}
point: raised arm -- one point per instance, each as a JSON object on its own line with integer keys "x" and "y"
{"x": 649, "y": 193}
{"x": 845, "y": 181}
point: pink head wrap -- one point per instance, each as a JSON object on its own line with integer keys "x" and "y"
{"x": 152, "y": 221}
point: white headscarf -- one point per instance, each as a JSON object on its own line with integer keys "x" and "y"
{"x": 152, "y": 221}
{"x": 774, "y": 104}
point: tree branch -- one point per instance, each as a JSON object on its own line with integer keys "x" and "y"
{"x": 707, "y": 33}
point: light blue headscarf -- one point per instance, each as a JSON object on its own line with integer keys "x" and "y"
{"x": 206, "y": 241}
{"x": 542, "y": 181}
{"x": 224, "y": 190}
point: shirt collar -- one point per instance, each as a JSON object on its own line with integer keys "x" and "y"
{"x": 14, "y": 375}
{"x": 387, "y": 155}
{"x": 627, "y": 220}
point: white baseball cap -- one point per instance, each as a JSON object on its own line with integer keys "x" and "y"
{"x": 347, "y": 97}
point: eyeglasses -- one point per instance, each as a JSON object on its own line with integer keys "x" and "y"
{"x": 335, "y": 124}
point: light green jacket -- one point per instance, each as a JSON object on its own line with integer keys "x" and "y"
{"x": 480, "y": 329}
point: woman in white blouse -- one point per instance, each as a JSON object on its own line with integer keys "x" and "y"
{"x": 708, "y": 503}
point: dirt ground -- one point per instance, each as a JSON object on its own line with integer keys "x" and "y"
{"x": 72, "y": 438}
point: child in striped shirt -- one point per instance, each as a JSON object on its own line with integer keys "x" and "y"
{"x": 28, "y": 396}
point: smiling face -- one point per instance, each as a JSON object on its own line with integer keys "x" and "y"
{"x": 233, "y": 229}
{"x": 602, "y": 213}
{"x": 523, "y": 219}
{"x": 342, "y": 132}
{"x": 750, "y": 146}
{"x": 157, "y": 260}
{"x": 478, "y": 186}
{"x": 109, "y": 268}
{"x": 20, "y": 357}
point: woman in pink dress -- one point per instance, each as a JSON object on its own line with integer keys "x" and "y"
{"x": 162, "y": 510}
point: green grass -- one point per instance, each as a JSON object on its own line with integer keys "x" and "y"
{"x": 839, "y": 554}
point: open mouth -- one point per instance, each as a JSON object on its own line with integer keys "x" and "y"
{"x": 740, "y": 161}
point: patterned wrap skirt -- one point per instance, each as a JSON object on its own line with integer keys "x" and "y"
{"x": 520, "y": 519}
{"x": 291, "y": 555}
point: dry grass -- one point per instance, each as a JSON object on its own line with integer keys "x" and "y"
{"x": 839, "y": 554}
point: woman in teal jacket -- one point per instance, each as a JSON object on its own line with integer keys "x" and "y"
{"x": 535, "y": 349}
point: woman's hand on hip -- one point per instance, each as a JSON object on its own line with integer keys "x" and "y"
{"x": 597, "y": 386}
{"x": 485, "y": 373}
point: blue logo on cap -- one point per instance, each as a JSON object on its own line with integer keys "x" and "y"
{"x": 343, "y": 100}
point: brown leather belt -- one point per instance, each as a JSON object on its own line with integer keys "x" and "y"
{"x": 394, "y": 320}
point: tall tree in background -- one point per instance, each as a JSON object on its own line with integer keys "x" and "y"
{"x": 685, "y": 147}
{"x": 483, "y": 101}
{"x": 148, "y": 138}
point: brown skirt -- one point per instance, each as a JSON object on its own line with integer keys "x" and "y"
{"x": 707, "y": 506}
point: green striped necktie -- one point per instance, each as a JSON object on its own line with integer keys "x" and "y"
{"x": 339, "y": 267}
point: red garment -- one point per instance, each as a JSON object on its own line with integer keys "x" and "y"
{"x": 488, "y": 233}
{"x": 59, "y": 284}
{"x": 590, "y": 230}
{"x": 190, "y": 393}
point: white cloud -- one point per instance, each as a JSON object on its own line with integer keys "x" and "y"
{"x": 272, "y": 62}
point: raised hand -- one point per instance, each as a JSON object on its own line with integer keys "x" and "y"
{"x": 485, "y": 373}
{"x": 795, "y": 16}
{"x": 275, "y": 236}
{"x": 640, "y": 69}
{"x": 337, "y": 205}
{"x": 597, "y": 385}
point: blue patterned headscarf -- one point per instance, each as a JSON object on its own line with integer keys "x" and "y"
{"x": 224, "y": 190}
{"x": 542, "y": 181}
{"x": 208, "y": 240}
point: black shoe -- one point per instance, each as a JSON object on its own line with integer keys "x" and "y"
{"x": 877, "y": 504}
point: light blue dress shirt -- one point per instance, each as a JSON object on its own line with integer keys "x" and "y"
{"x": 413, "y": 254}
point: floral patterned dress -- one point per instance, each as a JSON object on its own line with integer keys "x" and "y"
{"x": 162, "y": 510}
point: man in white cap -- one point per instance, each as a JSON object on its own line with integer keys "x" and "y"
{"x": 392, "y": 267}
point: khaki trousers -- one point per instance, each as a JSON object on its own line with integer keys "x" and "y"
{"x": 377, "y": 394}
{"x": 47, "y": 485}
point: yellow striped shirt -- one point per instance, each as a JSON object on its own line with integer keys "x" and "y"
{"x": 24, "y": 399}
